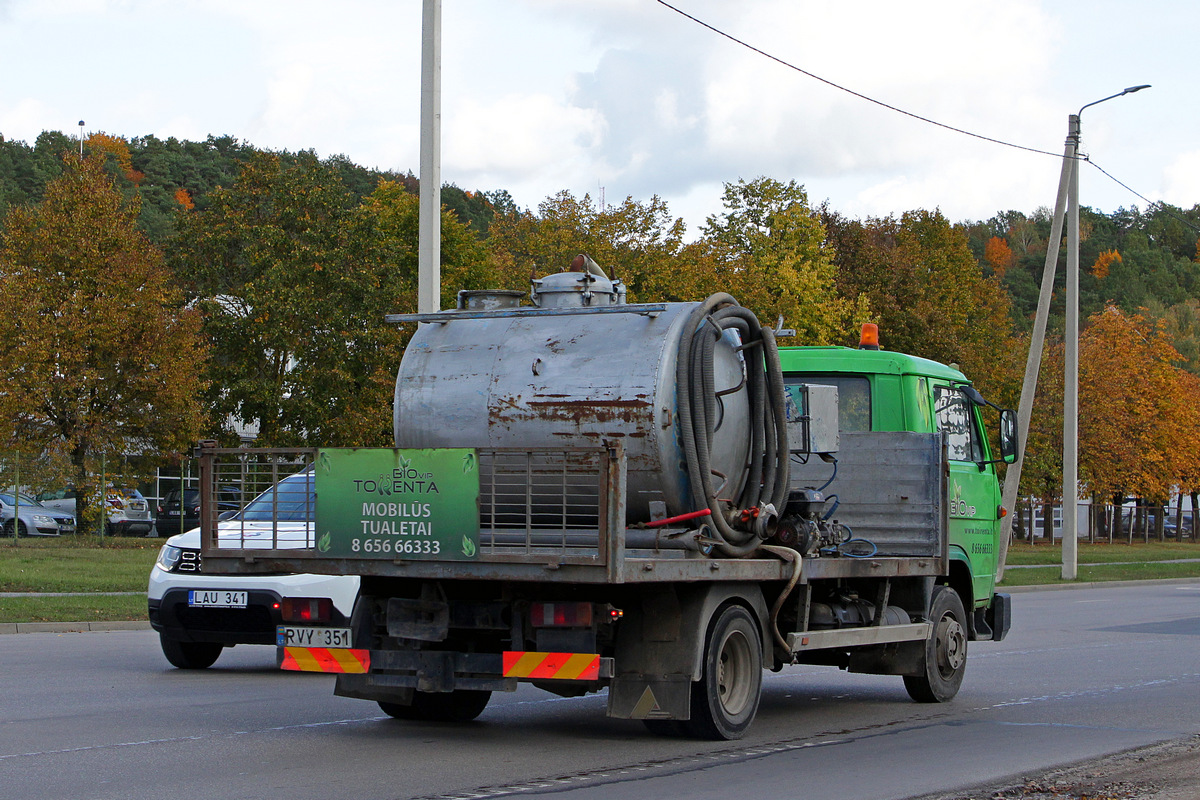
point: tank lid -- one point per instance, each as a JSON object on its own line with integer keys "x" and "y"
{"x": 583, "y": 286}
{"x": 488, "y": 299}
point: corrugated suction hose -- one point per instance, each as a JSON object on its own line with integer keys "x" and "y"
{"x": 767, "y": 477}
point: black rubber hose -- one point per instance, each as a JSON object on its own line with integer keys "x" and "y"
{"x": 768, "y": 467}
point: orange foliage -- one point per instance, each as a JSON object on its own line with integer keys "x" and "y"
{"x": 998, "y": 255}
{"x": 1104, "y": 261}
{"x": 184, "y": 198}
{"x": 118, "y": 148}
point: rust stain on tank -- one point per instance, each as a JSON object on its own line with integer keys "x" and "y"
{"x": 631, "y": 412}
{"x": 628, "y": 411}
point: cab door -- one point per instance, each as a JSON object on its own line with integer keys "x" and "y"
{"x": 973, "y": 490}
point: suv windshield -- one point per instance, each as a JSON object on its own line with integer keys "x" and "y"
{"x": 292, "y": 500}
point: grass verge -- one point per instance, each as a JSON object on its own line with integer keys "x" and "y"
{"x": 1023, "y": 554}
{"x": 77, "y": 564}
{"x": 1044, "y": 576}
{"x": 94, "y": 608}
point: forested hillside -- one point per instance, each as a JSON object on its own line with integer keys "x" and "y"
{"x": 280, "y": 267}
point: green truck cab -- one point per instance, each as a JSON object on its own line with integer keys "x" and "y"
{"x": 879, "y": 390}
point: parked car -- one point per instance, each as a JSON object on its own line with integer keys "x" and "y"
{"x": 1170, "y": 530}
{"x": 23, "y": 515}
{"x": 128, "y": 512}
{"x": 175, "y": 517}
{"x": 198, "y": 615}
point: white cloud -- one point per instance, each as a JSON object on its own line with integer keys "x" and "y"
{"x": 545, "y": 95}
{"x": 1181, "y": 180}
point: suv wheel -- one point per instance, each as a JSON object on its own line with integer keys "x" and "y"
{"x": 190, "y": 655}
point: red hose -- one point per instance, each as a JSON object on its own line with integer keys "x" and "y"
{"x": 658, "y": 523}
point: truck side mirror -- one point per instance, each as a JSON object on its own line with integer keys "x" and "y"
{"x": 1008, "y": 436}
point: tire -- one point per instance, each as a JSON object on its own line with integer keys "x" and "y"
{"x": 725, "y": 699}
{"x": 945, "y": 651}
{"x": 190, "y": 655}
{"x": 460, "y": 705}
{"x": 9, "y": 526}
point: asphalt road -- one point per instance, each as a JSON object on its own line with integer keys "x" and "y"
{"x": 1083, "y": 673}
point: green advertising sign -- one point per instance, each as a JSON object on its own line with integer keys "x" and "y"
{"x": 397, "y": 504}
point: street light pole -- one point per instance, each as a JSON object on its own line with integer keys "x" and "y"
{"x": 81, "y": 138}
{"x": 429, "y": 247}
{"x": 1070, "y": 490}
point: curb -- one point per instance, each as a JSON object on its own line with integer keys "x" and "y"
{"x": 73, "y": 627}
{"x": 1062, "y": 587}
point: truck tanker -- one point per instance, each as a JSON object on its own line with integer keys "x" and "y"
{"x": 652, "y": 499}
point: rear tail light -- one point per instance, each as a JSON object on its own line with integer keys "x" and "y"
{"x": 307, "y": 609}
{"x": 571, "y": 615}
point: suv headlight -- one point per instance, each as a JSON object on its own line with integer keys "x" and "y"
{"x": 168, "y": 557}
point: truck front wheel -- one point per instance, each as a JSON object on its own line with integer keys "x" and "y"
{"x": 945, "y": 651}
{"x": 725, "y": 699}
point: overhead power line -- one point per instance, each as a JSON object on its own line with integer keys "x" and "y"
{"x": 918, "y": 117}
{"x": 859, "y": 95}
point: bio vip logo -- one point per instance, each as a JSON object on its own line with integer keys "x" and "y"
{"x": 958, "y": 506}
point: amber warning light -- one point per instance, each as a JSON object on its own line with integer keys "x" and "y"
{"x": 869, "y": 338}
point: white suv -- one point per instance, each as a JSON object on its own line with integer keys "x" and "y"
{"x": 198, "y": 614}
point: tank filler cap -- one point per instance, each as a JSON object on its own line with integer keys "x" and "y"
{"x": 584, "y": 285}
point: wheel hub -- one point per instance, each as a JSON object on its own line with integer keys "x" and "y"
{"x": 951, "y": 645}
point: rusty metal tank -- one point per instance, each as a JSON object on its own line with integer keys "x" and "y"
{"x": 585, "y": 369}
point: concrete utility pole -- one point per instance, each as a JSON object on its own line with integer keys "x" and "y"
{"x": 1070, "y": 553}
{"x": 1068, "y": 196}
{"x": 429, "y": 255}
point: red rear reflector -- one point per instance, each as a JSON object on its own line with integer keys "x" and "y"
{"x": 552, "y": 666}
{"x": 307, "y": 609}
{"x": 325, "y": 659}
{"x": 560, "y": 615}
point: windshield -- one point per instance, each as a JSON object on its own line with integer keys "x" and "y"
{"x": 26, "y": 500}
{"x": 292, "y": 500}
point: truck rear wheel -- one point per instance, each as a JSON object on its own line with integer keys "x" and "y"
{"x": 725, "y": 699}
{"x": 461, "y": 705}
{"x": 945, "y": 651}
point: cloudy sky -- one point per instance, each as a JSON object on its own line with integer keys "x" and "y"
{"x": 629, "y": 98}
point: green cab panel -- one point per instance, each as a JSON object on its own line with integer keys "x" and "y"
{"x": 879, "y": 390}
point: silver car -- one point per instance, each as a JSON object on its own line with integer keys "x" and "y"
{"x": 128, "y": 513}
{"x": 24, "y": 516}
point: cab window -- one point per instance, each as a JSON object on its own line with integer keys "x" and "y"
{"x": 956, "y": 421}
{"x": 854, "y": 397}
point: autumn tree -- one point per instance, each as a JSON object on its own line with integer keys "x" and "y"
{"x": 772, "y": 255}
{"x": 998, "y": 255}
{"x": 295, "y": 278}
{"x": 98, "y": 356}
{"x": 639, "y": 243}
{"x": 1132, "y": 419}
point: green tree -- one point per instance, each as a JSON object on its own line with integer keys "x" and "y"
{"x": 98, "y": 358}
{"x": 772, "y": 253}
{"x": 930, "y": 294}
{"x": 639, "y": 243}
{"x": 295, "y": 278}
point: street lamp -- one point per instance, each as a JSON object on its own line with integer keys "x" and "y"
{"x": 1068, "y": 194}
{"x": 81, "y": 138}
{"x": 1070, "y": 553}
